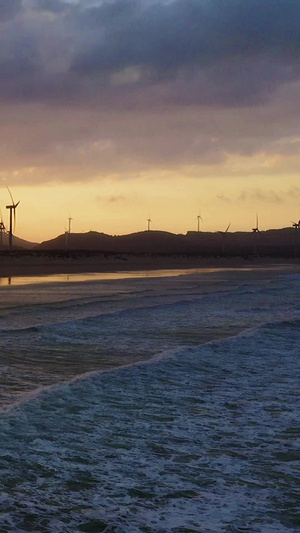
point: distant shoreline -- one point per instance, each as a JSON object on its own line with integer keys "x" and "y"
{"x": 33, "y": 264}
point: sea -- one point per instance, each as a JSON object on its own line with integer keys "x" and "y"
{"x": 151, "y": 402}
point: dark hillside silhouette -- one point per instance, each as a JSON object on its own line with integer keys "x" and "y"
{"x": 276, "y": 242}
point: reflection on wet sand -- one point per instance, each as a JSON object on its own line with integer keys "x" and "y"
{"x": 96, "y": 276}
{"x": 134, "y": 274}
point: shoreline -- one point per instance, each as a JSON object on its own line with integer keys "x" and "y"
{"x": 43, "y": 265}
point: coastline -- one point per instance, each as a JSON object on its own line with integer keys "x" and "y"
{"x": 15, "y": 265}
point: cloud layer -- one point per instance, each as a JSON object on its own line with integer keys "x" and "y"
{"x": 209, "y": 52}
{"x": 126, "y": 85}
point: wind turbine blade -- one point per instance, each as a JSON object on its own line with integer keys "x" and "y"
{"x": 10, "y": 195}
{"x": 228, "y": 227}
{"x": 15, "y": 216}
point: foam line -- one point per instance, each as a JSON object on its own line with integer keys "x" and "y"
{"x": 166, "y": 354}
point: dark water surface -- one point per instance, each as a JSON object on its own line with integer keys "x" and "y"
{"x": 193, "y": 425}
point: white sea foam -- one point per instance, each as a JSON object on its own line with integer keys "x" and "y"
{"x": 182, "y": 435}
{"x": 201, "y": 441}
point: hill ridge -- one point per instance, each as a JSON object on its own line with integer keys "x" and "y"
{"x": 272, "y": 241}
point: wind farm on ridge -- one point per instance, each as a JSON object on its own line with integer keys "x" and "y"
{"x": 274, "y": 242}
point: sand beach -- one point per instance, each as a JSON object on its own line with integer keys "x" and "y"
{"x": 32, "y": 264}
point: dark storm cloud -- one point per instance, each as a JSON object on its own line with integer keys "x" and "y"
{"x": 225, "y": 40}
{"x": 142, "y": 52}
{"x": 127, "y": 85}
{"x": 9, "y": 8}
{"x": 53, "y": 6}
{"x": 19, "y": 63}
{"x": 186, "y": 32}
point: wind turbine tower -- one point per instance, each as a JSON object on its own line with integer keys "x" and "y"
{"x": 255, "y": 231}
{"x": 198, "y": 222}
{"x": 12, "y": 209}
{"x": 149, "y": 223}
{"x": 296, "y": 225}
{"x": 2, "y": 229}
{"x": 70, "y": 220}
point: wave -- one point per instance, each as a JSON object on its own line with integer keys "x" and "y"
{"x": 204, "y": 436}
{"x": 42, "y": 354}
{"x": 21, "y": 317}
{"x": 159, "y": 357}
{"x": 77, "y": 348}
{"x": 180, "y": 435}
{"x": 260, "y": 335}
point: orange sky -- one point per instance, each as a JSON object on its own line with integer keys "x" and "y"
{"x": 114, "y": 112}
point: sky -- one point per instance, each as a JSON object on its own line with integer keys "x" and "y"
{"x": 116, "y": 111}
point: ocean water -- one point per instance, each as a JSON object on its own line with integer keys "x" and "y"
{"x": 151, "y": 404}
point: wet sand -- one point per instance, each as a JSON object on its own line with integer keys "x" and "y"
{"x": 41, "y": 265}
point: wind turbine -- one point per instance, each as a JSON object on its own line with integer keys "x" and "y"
{"x": 2, "y": 229}
{"x": 255, "y": 231}
{"x": 68, "y": 231}
{"x": 12, "y": 208}
{"x": 296, "y": 225}
{"x": 199, "y": 217}
{"x": 70, "y": 220}
{"x": 224, "y": 233}
{"x": 149, "y": 223}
